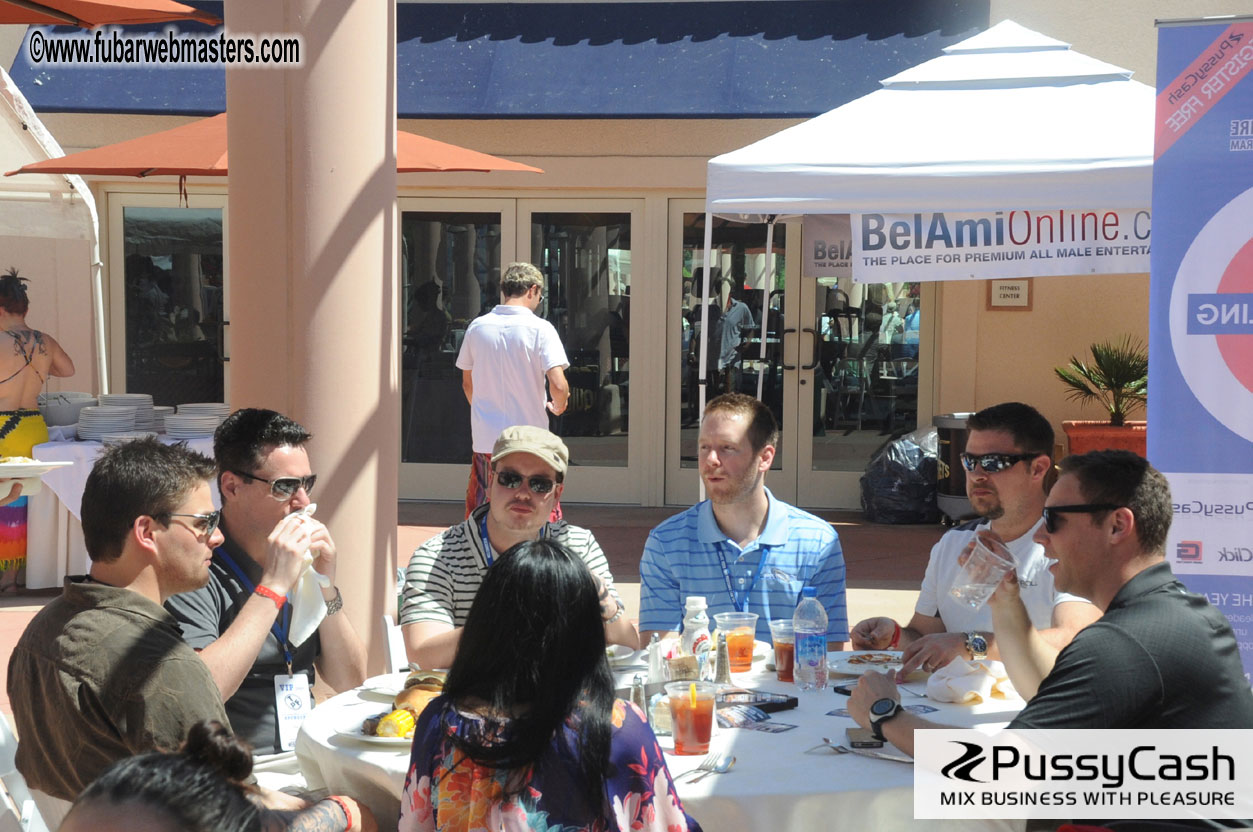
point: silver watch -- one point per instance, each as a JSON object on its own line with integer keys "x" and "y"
{"x": 335, "y": 604}
{"x": 977, "y": 645}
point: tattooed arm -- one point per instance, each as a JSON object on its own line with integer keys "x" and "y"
{"x": 323, "y": 816}
{"x": 62, "y": 365}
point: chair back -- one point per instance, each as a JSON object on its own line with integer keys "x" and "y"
{"x": 22, "y": 815}
{"x": 397, "y": 657}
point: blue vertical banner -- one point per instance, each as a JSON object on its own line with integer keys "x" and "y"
{"x": 1200, "y": 413}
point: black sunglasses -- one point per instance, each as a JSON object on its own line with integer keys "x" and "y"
{"x": 537, "y": 484}
{"x": 205, "y": 524}
{"x": 1051, "y": 512}
{"x": 284, "y": 488}
{"x": 994, "y": 463}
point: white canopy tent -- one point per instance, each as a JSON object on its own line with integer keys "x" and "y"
{"x": 1007, "y": 119}
{"x": 48, "y": 221}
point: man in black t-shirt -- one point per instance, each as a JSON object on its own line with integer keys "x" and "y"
{"x": 1177, "y": 661}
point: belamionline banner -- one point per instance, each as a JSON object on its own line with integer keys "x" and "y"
{"x": 998, "y": 244}
{"x": 1200, "y": 413}
{"x": 1123, "y": 774}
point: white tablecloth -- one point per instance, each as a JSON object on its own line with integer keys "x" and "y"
{"x": 774, "y": 785}
{"x": 54, "y": 536}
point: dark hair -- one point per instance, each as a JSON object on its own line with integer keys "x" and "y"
{"x": 763, "y": 430}
{"x": 1031, "y": 431}
{"x": 134, "y": 479}
{"x": 13, "y": 292}
{"x": 244, "y": 438}
{"x": 553, "y": 663}
{"x": 1123, "y": 478}
{"x": 199, "y": 788}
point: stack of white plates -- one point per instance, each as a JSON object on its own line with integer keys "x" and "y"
{"x": 219, "y": 409}
{"x": 127, "y": 436}
{"x": 158, "y": 417}
{"x": 142, "y": 402}
{"x": 95, "y": 422}
{"x": 190, "y": 425}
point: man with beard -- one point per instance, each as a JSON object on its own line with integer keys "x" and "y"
{"x": 525, "y": 480}
{"x": 1007, "y": 459}
{"x": 742, "y": 549}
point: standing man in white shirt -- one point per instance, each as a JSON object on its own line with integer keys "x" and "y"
{"x": 506, "y": 358}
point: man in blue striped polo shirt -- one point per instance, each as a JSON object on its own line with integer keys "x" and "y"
{"x": 742, "y": 548}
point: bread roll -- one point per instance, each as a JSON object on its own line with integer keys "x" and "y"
{"x": 415, "y": 699}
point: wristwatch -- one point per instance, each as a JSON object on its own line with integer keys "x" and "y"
{"x": 880, "y": 712}
{"x": 978, "y": 646}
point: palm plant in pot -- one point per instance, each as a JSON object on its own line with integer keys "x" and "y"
{"x": 1117, "y": 378}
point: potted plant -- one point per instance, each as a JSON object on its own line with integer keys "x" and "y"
{"x": 1116, "y": 378}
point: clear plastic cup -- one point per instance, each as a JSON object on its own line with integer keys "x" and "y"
{"x": 784, "y": 637}
{"x": 692, "y": 715}
{"x": 988, "y": 564}
{"x": 741, "y": 631}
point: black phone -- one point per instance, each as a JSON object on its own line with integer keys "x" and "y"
{"x": 844, "y": 689}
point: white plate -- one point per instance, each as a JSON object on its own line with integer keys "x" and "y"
{"x": 396, "y": 743}
{"x": 22, "y": 470}
{"x": 620, "y": 654}
{"x": 841, "y": 665}
{"x": 389, "y": 684}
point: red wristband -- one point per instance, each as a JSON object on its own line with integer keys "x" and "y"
{"x": 343, "y": 804}
{"x": 266, "y": 592}
{"x": 896, "y": 638}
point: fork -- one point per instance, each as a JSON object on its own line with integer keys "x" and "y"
{"x": 706, "y": 765}
{"x": 910, "y": 691}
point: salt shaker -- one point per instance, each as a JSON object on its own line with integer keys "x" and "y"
{"x": 637, "y": 694}
{"x": 723, "y": 670}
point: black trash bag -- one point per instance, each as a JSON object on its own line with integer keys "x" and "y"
{"x": 899, "y": 485}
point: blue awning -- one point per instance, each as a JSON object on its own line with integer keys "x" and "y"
{"x": 734, "y": 59}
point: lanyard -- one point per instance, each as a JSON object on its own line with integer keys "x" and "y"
{"x": 282, "y": 624}
{"x": 740, "y": 599}
{"x": 487, "y": 544}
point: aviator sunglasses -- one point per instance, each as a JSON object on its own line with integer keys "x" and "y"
{"x": 537, "y": 484}
{"x": 994, "y": 463}
{"x": 205, "y": 524}
{"x": 284, "y": 488}
{"x": 1051, "y": 513}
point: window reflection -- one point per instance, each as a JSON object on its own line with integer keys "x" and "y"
{"x": 450, "y": 274}
{"x": 173, "y": 307}
{"x": 586, "y": 261}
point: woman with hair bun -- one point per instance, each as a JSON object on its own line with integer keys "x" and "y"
{"x": 201, "y": 788}
{"x": 527, "y": 734}
{"x": 27, "y": 358}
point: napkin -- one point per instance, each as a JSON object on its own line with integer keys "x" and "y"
{"x": 308, "y": 607}
{"x": 969, "y": 683}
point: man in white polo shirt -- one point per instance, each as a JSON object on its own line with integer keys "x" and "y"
{"x": 505, "y": 358}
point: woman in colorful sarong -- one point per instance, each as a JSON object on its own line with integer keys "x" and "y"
{"x": 27, "y": 358}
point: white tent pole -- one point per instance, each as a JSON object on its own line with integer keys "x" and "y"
{"x": 767, "y": 280}
{"x": 97, "y": 308}
{"x": 704, "y": 327}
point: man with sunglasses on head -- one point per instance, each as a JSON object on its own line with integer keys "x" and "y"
{"x": 528, "y": 465}
{"x": 1007, "y": 458}
{"x": 506, "y": 357}
{"x": 101, "y": 673}
{"x": 240, "y": 622}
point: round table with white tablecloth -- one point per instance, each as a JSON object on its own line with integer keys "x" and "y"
{"x": 54, "y": 535}
{"x": 780, "y": 782}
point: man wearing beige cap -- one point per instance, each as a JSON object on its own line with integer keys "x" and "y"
{"x": 528, "y": 465}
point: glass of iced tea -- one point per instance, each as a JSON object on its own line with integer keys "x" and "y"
{"x": 741, "y": 629}
{"x": 692, "y": 712}
{"x": 784, "y": 638}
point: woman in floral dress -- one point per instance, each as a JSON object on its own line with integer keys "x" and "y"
{"x": 527, "y": 736}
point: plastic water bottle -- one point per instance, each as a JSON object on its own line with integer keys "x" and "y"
{"x": 810, "y": 624}
{"x": 695, "y": 637}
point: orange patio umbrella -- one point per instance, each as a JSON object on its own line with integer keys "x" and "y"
{"x": 92, "y": 13}
{"x": 199, "y": 149}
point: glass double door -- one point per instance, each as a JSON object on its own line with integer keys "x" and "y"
{"x": 452, "y": 255}
{"x": 836, "y": 363}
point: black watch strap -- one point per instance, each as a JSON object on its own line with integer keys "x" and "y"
{"x": 876, "y": 725}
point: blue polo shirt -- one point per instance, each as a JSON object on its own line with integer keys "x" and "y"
{"x": 795, "y": 549}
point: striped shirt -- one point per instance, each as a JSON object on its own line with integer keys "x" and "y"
{"x": 444, "y": 573}
{"x": 799, "y": 549}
